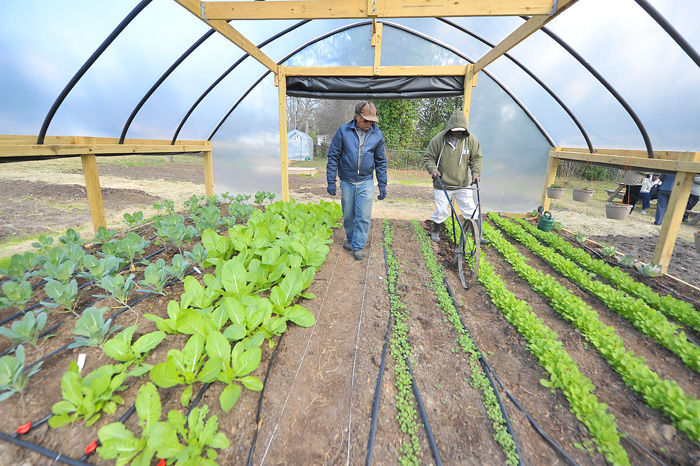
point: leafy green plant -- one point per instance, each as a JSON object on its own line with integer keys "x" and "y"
{"x": 103, "y": 235}
{"x": 198, "y": 254}
{"x": 121, "y": 349}
{"x": 27, "y": 329}
{"x": 92, "y": 329}
{"x": 87, "y": 398}
{"x": 580, "y": 238}
{"x": 554, "y": 186}
{"x": 261, "y": 196}
{"x": 97, "y": 268}
{"x": 193, "y": 203}
{"x": 628, "y": 261}
{"x": 134, "y": 219}
{"x": 130, "y": 246}
{"x": 200, "y": 436}
{"x": 118, "y": 287}
{"x": 155, "y": 277}
{"x": 207, "y": 217}
{"x": 42, "y": 244}
{"x": 648, "y": 270}
{"x": 15, "y": 294}
{"x": 172, "y": 230}
{"x": 65, "y": 296}
{"x": 168, "y": 207}
{"x": 13, "y": 376}
{"x": 62, "y": 271}
{"x": 608, "y": 251}
{"x": 71, "y": 237}
{"x": 18, "y": 267}
{"x": 178, "y": 268}
{"x": 232, "y": 366}
{"x": 240, "y": 211}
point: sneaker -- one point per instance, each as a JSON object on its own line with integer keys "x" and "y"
{"x": 643, "y": 212}
{"x": 359, "y": 254}
{"x": 484, "y": 241}
{"x": 435, "y": 232}
{"x": 347, "y": 245}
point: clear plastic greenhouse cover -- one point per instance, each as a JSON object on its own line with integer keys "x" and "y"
{"x": 619, "y": 39}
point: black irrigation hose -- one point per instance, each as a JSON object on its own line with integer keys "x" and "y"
{"x": 377, "y": 395}
{"x": 56, "y": 457}
{"x": 31, "y": 426}
{"x": 127, "y": 414}
{"x": 640, "y": 446}
{"x": 258, "y": 414}
{"x": 687, "y": 298}
{"x": 197, "y": 398}
{"x": 487, "y": 371}
{"x": 423, "y": 414}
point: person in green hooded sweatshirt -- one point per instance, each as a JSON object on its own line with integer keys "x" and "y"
{"x": 452, "y": 154}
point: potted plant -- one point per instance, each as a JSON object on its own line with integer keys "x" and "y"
{"x": 617, "y": 211}
{"x": 583, "y": 194}
{"x": 555, "y": 191}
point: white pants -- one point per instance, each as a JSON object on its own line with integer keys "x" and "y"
{"x": 465, "y": 204}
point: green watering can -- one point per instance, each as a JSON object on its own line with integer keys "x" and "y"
{"x": 546, "y": 221}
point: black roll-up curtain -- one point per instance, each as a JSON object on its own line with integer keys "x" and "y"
{"x": 374, "y": 87}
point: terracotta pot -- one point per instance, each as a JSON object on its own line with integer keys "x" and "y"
{"x": 697, "y": 242}
{"x": 582, "y": 195}
{"x": 555, "y": 193}
{"x": 617, "y": 211}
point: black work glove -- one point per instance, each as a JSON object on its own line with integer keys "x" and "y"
{"x": 382, "y": 192}
{"x": 331, "y": 189}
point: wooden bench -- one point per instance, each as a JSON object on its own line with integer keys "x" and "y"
{"x": 613, "y": 193}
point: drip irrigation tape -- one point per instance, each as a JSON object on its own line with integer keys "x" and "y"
{"x": 31, "y": 426}
{"x": 56, "y": 457}
{"x": 197, "y": 398}
{"x": 487, "y": 371}
{"x": 258, "y": 414}
{"x": 377, "y": 395}
{"x": 380, "y": 376}
{"x": 687, "y": 298}
{"x": 19, "y": 314}
{"x": 641, "y": 447}
{"x": 421, "y": 409}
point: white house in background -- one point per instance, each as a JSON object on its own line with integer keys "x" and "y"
{"x": 299, "y": 145}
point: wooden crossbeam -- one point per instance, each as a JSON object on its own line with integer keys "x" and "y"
{"x": 225, "y": 29}
{"x": 452, "y": 70}
{"x": 333, "y": 9}
{"x": 6, "y": 139}
{"x": 520, "y": 34}
{"x": 675, "y": 161}
{"x": 52, "y": 150}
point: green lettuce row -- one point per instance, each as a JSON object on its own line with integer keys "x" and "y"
{"x": 664, "y": 395}
{"x": 479, "y": 380}
{"x": 401, "y": 350}
{"x": 680, "y": 310}
{"x": 646, "y": 319}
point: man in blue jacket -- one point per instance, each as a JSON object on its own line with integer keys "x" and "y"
{"x": 356, "y": 151}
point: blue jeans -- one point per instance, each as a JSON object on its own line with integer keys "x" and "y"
{"x": 356, "y": 200}
{"x": 661, "y": 204}
{"x": 646, "y": 200}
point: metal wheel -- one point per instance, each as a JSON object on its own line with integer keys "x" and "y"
{"x": 467, "y": 251}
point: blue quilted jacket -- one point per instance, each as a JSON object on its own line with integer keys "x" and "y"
{"x": 345, "y": 160}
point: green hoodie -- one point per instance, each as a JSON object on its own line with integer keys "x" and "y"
{"x": 455, "y": 162}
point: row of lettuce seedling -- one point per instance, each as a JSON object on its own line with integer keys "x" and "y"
{"x": 661, "y": 394}
{"x": 646, "y": 319}
{"x": 401, "y": 351}
{"x": 677, "y": 309}
{"x": 479, "y": 379}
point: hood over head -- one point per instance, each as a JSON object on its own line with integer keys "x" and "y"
{"x": 457, "y": 120}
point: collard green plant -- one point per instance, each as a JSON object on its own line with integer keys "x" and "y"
{"x": 608, "y": 251}
{"x": 92, "y": 329}
{"x": 27, "y": 329}
{"x": 120, "y": 348}
{"x": 130, "y": 246}
{"x": 15, "y": 294}
{"x": 19, "y": 266}
{"x": 64, "y": 296}
{"x": 240, "y": 211}
{"x": 13, "y": 376}
{"x": 178, "y": 268}
{"x": 97, "y": 268}
{"x": 103, "y": 235}
{"x": 134, "y": 219}
{"x": 200, "y": 436}
{"x": 628, "y": 261}
{"x": 207, "y": 217}
{"x": 42, "y": 244}
{"x": 87, "y": 398}
{"x": 198, "y": 255}
{"x": 172, "y": 230}
{"x": 155, "y": 276}
{"x": 117, "y": 287}
{"x": 71, "y": 237}
{"x": 580, "y": 238}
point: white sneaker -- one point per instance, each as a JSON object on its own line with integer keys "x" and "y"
{"x": 643, "y": 212}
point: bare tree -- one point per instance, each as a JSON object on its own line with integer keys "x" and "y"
{"x": 301, "y": 113}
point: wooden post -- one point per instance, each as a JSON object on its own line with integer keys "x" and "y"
{"x": 282, "y": 87}
{"x": 551, "y": 174}
{"x": 672, "y": 220}
{"x": 208, "y": 173}
{"x": 376, "y": 42}
{"x": 94, "y": 193}
{"x": 468, "y": 84}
